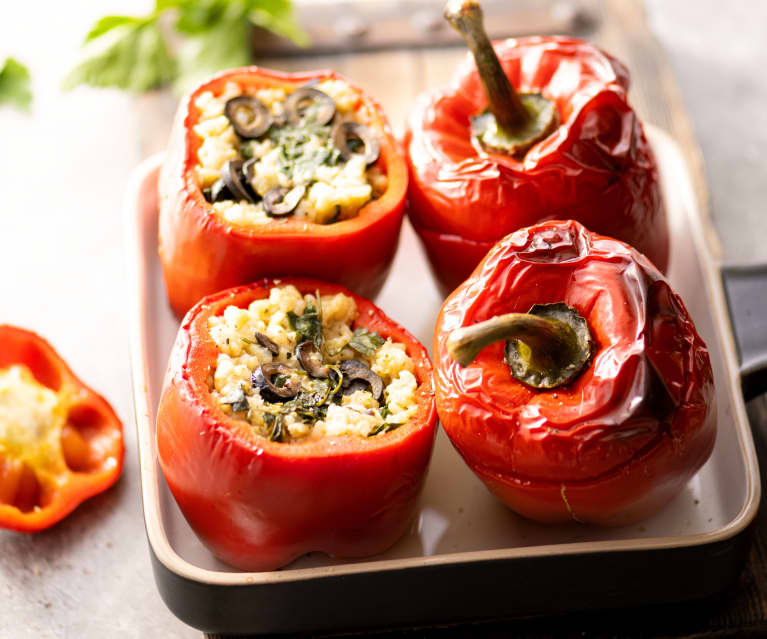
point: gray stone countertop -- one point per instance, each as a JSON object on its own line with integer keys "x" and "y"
{"x": 718, "y": 52}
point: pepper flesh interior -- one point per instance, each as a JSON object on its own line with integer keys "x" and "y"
{"x": 32, "y": 419}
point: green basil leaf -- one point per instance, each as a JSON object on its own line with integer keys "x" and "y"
{"x": 217, "y": 37}
{"x": 383, "y": 428}
{"x": 277, "y": 16}
{"x": 129, "y": 55}
{"x": 274, "y": 426}
{"x": 246, "y": 150}
{"x": 107, "y": 23}
{"x": 162, "y": 5}
{"x": 280, "y": 380}
{"x": 307, "y": 326}
{"x": 311, "y": 406}
{"x": 15, "y": 85}
{"x": 196, "y": 16}
{"x": 366, "y": 342}
{"x": 130, "y": 52}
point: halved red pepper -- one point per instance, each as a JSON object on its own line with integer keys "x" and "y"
{"x": 201, "y": 254}
{"x": 259, "y": 504}
{"x": 595, "y": 167}
{"x": 622, "y": 438}
{"x": 74, "y": 451}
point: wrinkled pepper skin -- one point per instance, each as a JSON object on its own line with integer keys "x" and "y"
{"x": 38, "y": 491}
{"x": 257, "y": 504}
{"x": 201, "y": 255}
{"x": 624, "y": 437}
{"x": 596, "y": 168}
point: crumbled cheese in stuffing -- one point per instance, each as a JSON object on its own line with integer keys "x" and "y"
{"x": 356, "y": 413}
{"x": 334, "y": 192}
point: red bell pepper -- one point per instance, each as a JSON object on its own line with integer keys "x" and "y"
{"x": 595, "y": 166}
{"x": 200, "y": 254}
{"x": 259, "y": 504}
{"x": 624, "y": 435}
{"x": 72, "y": 451}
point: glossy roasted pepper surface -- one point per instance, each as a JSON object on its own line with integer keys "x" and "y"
{"x": 201, "y": 254}
{"x": 596, "y": 167}
{"x": 623, "y": 438}
{"x": 60, "y": 442}
{"x": 260, "y": 504}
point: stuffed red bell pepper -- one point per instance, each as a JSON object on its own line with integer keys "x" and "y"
{"x": 295, "y": 417}
{"x": 60, "y": 442}
{"x": 486, "y": 160}
{"x": 270, "y": 173}
{"x": 571, "y": 379}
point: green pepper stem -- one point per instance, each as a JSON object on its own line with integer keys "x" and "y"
{"x": 465, "y": 16}
{"x": 545, "y": 348}
{"x": 543, "y": 336}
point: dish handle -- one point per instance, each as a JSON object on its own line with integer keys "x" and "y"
{"x": 746, "y": 289}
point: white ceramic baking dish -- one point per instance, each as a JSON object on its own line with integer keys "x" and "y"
{"x": 466, "y": 556}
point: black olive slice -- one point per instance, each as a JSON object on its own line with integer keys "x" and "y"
{"x": 219, "y": 191}
{"x": 345, "y": 132}
{"x": 281, "y": 201}
{"x": 297, "y": 104}
{"x": 249, "y": 116}
{"x": 259, "y": 383}
{"x": 353, "y": 387}
{"x": 248, "y": 170}
{"x": 354, "y": 370}
{"x": 267, "y": 343}
{"x": 262, "y": 380}
{"x": 308, "y": 356}
{"x": 231, "y": 174}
